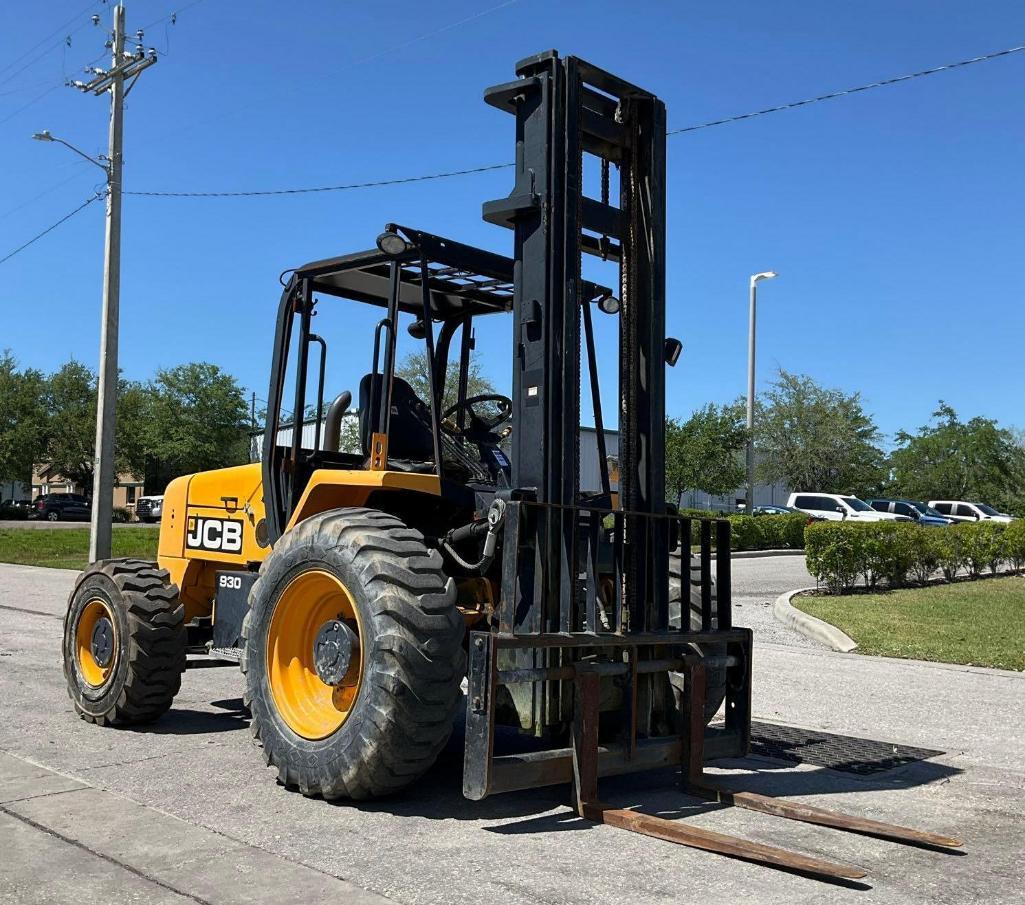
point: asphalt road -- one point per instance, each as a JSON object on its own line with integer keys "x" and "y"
{"x": 757, "y": 582}
{"x": 185, "y": 811}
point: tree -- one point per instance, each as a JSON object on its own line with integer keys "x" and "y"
{"x": 23, "y": 422}
{"x": 194, "y": 418}
{"x": 704, "y": 452}
{"x": 70, "y": 444}
{"x": 415, "y": 371}
{"x": 71, "y": 407}
{"x": 815, "y": 438}
{"x": 951, "y": 459}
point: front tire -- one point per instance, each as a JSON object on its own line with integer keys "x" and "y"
{"x": 124, "y": 642}
{"x": 689, "y": 587}
{"x": 373, "y": 721}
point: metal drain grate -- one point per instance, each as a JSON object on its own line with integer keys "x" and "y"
{"x": 837, "y": 752}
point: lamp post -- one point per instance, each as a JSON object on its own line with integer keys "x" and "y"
{"x": 125, "y": 67}
{"x": 98, "y": 161}
{"x": 755, "y": 280}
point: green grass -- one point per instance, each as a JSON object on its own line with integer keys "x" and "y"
{"x": 979, "y": 623}
{"x": 68, "y": 548}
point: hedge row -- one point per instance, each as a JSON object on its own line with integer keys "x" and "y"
{"x": 759, "y": 532}
{"x": 839, "y": 553}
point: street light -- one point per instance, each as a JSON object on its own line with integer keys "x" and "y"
{"x": 755, "y": 280}
{"x": 46, "y": 136}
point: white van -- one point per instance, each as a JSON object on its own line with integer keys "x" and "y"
{"x": 837, "y": 507}
{"x": 960, "y": 511}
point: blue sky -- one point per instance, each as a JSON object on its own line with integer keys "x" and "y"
{"x": 895, "y": 217}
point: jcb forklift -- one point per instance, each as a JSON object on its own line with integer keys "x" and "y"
{"x": 359, "y": 590}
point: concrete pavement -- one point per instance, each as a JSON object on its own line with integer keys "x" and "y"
{"x": 90, "y": 795}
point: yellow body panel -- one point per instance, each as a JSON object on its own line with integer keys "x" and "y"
{"x": 331, "y": 489}
{"x": 216, "y": 520}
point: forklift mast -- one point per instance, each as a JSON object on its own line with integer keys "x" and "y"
{"x": 565, "y": 108}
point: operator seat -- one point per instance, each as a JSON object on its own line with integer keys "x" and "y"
{"x": 410, "y": 442}
{"x": 410, "y": 439}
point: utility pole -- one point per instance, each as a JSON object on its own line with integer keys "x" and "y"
{"x": 124, "y": 66}
{"x": 752, "y": 314}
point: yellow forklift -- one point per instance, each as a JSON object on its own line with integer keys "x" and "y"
{"x": 359, "y": 590}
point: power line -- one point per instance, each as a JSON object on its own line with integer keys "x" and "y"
{"x": 828, "y": 97}
{"x": 79, "y": 172}
{"x": 499, "y": 166}
{"x": 323, "y": 188}
{"x": 171, "y": 15}
{"x": 51, "y": 228}
{"x": 54, "y": 33}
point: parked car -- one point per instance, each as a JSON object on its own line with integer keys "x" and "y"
{"x": 839, "y": 507}
{"x": 960, "y": 511}
{"x": 773, "y": 510}
{"x": 921, "y": 512}
{"x": 10, "y": 510}
{"x": 149, "y": 508}
{"x": 56, "y": 507}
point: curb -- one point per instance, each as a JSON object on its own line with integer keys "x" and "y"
{"x": 756, "y": 554}
{"x": 810, "y": 626}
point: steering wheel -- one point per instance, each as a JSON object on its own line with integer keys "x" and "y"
{"x": 487, "y": 423}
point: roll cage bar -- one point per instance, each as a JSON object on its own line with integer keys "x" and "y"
{"x": 437, "y": 280}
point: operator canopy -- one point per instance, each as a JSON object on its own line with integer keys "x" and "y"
{"x": 463, "y": 279}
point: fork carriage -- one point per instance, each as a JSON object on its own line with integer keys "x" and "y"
{"x": 587, "y": 623}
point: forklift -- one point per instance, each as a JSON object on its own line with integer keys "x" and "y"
{"x": 360, "y": 590}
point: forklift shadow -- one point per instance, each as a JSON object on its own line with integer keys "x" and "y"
{"x": 439, "y": 794}
{"x": 184, "y": 721}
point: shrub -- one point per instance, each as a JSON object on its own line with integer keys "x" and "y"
{"x": 981, "y": 545}
{"x": 838, "y": 552}
{"x": 121, "y": 514}
{"x": 950, "y": 550}
{"x": 768, "y": 532}
{"x": 835, "y": 554}
{"x": 888, "y": 551}
{"x": 1013, "y": 544}
{"x": 927, "y": 545}
{"x": 699, "y": 513}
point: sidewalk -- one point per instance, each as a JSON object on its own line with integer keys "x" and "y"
{"x": 66, "y": 841}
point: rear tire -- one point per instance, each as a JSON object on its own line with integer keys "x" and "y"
{"x": 394, "y": 593}
{"x": 124, "y": 642}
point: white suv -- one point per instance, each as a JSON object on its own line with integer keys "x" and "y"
{"x": 837, "y": 507}
{"x": 961, "y": 511}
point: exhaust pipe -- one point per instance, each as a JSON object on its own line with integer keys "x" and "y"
{"x": 333, "y": 423}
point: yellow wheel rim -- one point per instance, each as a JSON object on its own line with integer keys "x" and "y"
{"x": 96, "y": 642}
{"x": 309, "y": 706}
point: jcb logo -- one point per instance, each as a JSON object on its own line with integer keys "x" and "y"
{"x": 220, "y": 534}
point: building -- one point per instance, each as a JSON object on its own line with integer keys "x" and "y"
{"x": 14, "y": 491}
{"x": 590, "y": 479}
{"x": 590, "y": 472}
{"x": 349, "y": 432}
{"x": 127, "y": 488}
